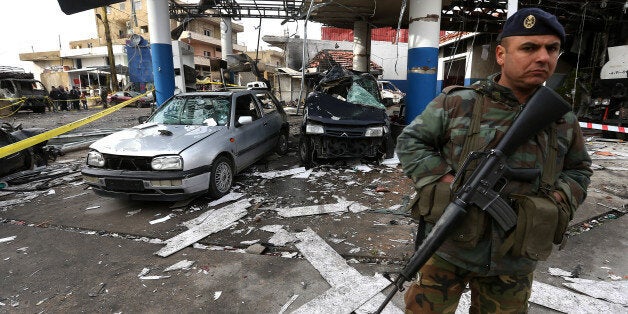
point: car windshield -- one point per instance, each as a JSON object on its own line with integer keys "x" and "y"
{"x": 197, "y": 110}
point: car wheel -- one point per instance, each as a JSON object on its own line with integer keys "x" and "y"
{"x": 221, "y": 177}
{"x": 138, "y": 104}
{"x": 305, "y": 152}
{"x": 282, "y": 143}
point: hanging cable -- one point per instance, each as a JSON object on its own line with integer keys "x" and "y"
{"x": 404, "y": 3}
{"x": 575, "y": 79}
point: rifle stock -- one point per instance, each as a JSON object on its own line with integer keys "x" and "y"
{"x": 543, "y": 108}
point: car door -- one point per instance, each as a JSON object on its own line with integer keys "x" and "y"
{"x": 272, "y": 119}
{"x": 248, "y": 138}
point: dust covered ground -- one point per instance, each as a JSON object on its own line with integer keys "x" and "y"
{"x": 75, "y": 250}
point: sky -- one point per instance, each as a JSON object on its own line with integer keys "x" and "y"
{"x": 40, "y": 25}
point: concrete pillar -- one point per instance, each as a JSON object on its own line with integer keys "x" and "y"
{"x": 361, "y": 45}
{"x": 423, "y": 39}
{"x": 513, "y": 6}
{"x": 226, "y": 42}
{"x": 161, "y": 49}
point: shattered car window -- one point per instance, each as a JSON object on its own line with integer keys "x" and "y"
{"x": 199, "y": 110}
{"x": 359, "y": 95}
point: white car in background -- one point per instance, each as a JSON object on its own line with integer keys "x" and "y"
{"x": 390, "y": 93}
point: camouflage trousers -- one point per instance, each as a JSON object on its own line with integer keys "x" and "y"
{"x": 441, "y": 284}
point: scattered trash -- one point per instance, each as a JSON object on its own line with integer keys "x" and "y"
{"x": 217, "y": 295}
{"x": 97, "y": 290}
{"x": 249, "y": 242}
{"x": 381, "y": 189}
{"x": 285, "y": 306}
{"x": 182, "y": 265}
{"x": 92, "y": 207}
{"x": 7, "y": 239}
{"x": 153, "y": 277}
{"x": 162, "y": 219}
{"x": 144, "y": 272}
{"x": 615, "y": 292}
{"x": 363, "y": 168}
{"x": 233, "y": 196}
{"x": 255, "y": 249}
{"x": 559, "y": 272}
{"x": 281, "y": 173}
{"x": 214, "y": 221}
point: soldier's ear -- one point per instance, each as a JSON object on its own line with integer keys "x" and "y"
{"x": 500, "y": 52}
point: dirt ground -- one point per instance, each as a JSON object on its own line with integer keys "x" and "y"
{"x": 91, "y": 239}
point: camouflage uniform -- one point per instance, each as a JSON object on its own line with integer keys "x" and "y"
{"x": 431, "y": 147}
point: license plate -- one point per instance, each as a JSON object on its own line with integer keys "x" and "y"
{"x": 124, "y": 185}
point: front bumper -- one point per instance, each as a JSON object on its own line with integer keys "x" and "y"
{"x": 349, "y": 147}
{"x": 148, "y": 185}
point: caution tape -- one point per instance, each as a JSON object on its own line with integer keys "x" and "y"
{"x": 31, "y": 141}
{"x": 603, "y": 127}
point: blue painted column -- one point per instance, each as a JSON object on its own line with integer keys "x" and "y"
{"x": 423, "y": 39}
{"x": 161, "y": 49}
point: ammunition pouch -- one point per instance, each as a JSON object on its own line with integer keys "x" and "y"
{"x": 538, "y": 217}
{"x": 430, "y": 204}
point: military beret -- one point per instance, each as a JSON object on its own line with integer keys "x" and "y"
{"x": 532, "y": 21}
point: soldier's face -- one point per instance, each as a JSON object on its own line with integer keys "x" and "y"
{"x": 527, "y": 61}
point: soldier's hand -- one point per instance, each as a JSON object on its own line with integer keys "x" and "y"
{"x": 448, "y": 178}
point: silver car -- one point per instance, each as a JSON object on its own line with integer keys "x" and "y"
{"x": 193, "y": 144}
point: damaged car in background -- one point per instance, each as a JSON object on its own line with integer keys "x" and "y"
{"x": 344, "y": 118}
{"x": 192, "y": 144}
{"x": 28, "y": 158}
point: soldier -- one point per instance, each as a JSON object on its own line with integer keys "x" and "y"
{"x": 497, "y": 265}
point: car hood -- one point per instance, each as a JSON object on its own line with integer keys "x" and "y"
{"x": 151, "y": 139}
{"x": 327, "y": 109}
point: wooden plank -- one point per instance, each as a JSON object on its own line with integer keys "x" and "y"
{"x": 337, "y": 272}
{"x": 346, "y": 297}
{"x": 219, "y": 219}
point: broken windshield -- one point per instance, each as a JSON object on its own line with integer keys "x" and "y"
{"x": 197, "y": 110}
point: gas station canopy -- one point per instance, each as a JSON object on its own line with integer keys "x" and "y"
{"x": 456, "y": 15}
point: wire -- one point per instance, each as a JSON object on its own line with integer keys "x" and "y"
{"x": 575, "y": 79}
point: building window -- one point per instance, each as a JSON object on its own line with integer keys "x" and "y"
{"x": 208, "y": 32}
{"x": 137, "y": 4}
{"x": 108, "y": 9}
{"x": 219, "y": 49}
{"x": 207, "y": 54}
{"x": 144, "y": 29}
{"x": 122, "y": 6}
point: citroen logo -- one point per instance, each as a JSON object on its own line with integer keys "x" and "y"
{"x": 344, "y": 134}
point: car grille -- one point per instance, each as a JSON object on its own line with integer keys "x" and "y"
{"x": 344, "y": 132}
{"x": 116, "y": 162}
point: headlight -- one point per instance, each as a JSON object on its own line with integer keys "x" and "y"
{"x": 376, "y": 131}
{"x": 167, "y": 163}
{"x": 95, "y": 159}
{"x": 314, "y": 129}
{"x": 606, "y": 102}
{"x": 596, "y": 102}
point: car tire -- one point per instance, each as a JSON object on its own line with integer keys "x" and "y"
{"x": 306, "y": 155}
{"x": 221, "y": 177}
{"x": 282, "y": 143}
{"x": 138, "y": 104}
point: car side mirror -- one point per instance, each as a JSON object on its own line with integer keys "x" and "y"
{"x": 142, "y": 119}
{"x": 242, "y": 120}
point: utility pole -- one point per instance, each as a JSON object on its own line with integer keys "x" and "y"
{"x": 112, "y": 61}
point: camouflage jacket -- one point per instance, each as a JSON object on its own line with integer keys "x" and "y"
{"x": 431, "y": 146}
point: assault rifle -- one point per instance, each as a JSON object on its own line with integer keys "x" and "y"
{"x": 543, "y": 108}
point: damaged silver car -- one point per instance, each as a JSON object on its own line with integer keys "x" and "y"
{"x": 193, "y": 144}
{"x": 345, "y": 118}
